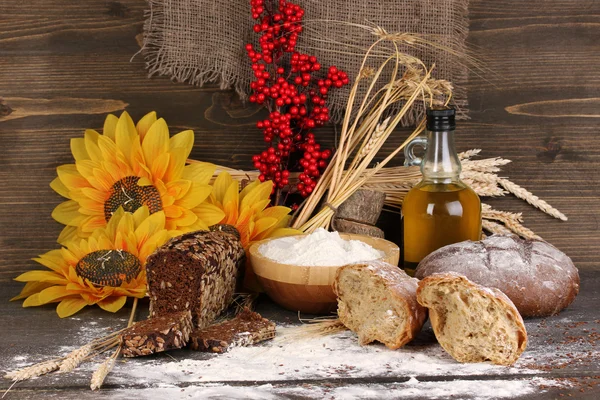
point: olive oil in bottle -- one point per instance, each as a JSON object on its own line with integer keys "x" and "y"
{"x": 441, "y": 209}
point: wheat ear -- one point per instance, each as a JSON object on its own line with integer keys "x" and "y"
{"x": 74, "y": 358}
{"x": 494, "y": 227}
{"x": 33, "y": 371}
{"x": 103, "y": 370}
{"x": 532, "y": 199}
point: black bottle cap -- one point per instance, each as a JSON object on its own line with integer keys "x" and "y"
{"x": 441, "y": 119}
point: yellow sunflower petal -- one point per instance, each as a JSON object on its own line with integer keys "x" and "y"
{"x": 173, "y": 211}
{"x": 194, "y": 196}
{"x": 140, "y": 215}
{"x": 125, "y": 134}
{"x": 68, "y": 234}
{"x": 145, "y": 182}
{"x": 78, "y": 149}
{"x": 145, "y": 123}
{"x": 176, "y": 164}
{"x": 53, "y": 294}
{"x": 160, "y": 165}
{"x": 67, "y": 213}
{"x": 91, "y": 144}
{"x": 110, "y": 126}
{"x": 156, "y": 141}
{"x": 70, "y": 177}
{"x": 113, "y": 304}
{"x": 32, "y": 301}
{"x": 209, "y": 214}
{"x": 248, "y": 188}
{"x": 59, "y": 187}
{"x": 187, "y": 218}
{"x": 31, "y": 288}
{"x": 201, "y": 172}
{"x": 222, "y": 183}
{"x": 108, "y": 148}
{"x": 41, "y": 276}
{"x": 183, "y": 140}
{"x": 263, "y": 224}
{"x": 260, "y": 205}
{"x": 261, "y": 192}
{"x": 70, "y": 306}
{"x": 277, "y": 212}
{"x": 152, "y": 224}
{"x": 95, "y": 195}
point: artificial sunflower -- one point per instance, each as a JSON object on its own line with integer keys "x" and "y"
{"x": 103, "y": 269}
{"x": 129, "y": 166}
{"x": 247, "y": 210}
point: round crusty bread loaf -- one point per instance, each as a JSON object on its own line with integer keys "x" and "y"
{"x": 378, "y": 302}
{"x": 538, "y": 278}
{"x": 471, "y": 322}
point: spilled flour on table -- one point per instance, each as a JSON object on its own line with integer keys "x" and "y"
{"x": 312, "y": 362}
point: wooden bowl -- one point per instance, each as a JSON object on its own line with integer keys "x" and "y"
{"x": 308, "y": 289}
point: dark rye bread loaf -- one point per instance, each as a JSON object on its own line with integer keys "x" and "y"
{"x": 196, "y": 271}
{"x": 538, "y": 278}
{"x": 154, "y": 335}
{"x": 247, "y": 328}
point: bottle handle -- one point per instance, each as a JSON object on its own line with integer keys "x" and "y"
{"x": 409, "y": 156}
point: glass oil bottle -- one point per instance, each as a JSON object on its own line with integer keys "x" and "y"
{"x": 441, "y": 209}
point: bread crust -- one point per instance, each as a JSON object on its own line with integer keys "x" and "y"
{"x": 538, "y": 278}
{"x": 400, "y": 286}
{"x": 440, "y": 279}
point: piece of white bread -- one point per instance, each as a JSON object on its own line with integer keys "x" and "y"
{"x": 471, "y": 322}
{"x": 378, "y": 302}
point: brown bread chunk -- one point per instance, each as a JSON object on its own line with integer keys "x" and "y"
{"x": 471, "y": 322}
{"x": 246, "y": 329}
{"x": 196, "y": 271}
{"x": 378, "y": 302}
{"x": 538, "y": 278}
{"x": 167, "y": 332}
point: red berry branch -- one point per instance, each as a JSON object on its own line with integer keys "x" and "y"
{"x": 286, "y": 84}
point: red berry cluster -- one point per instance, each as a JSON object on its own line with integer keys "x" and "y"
{"x": 284, "y": 82}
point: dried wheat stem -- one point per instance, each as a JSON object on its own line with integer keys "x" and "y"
{"x": 494, "y": 227}
{"x": 465, "y": 155}
{"x": 33, "y": 371}
{"x": 531, "y": 199}
{"x": 102, "y": 372}
{"x": 74, "y": 358}
{"x": 317, "y": 327}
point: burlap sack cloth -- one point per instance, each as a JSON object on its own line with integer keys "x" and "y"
{"x": 200, "y": 41}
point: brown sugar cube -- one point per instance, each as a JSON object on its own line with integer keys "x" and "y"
{"x": 246, "y": 329}
{"x": 167, "y": 332}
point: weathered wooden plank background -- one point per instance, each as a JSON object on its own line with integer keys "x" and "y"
{"x": 65, "y": 64}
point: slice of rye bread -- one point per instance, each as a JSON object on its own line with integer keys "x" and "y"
{"x": 378, "y": 302}
{"x": 471, "y": 322}
{"x": 196, "y": 271}
{"x": 246, "y": 329}
{"x": 167, "y": 332}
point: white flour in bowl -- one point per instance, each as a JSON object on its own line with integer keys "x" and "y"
{"x": 319, "y": 249}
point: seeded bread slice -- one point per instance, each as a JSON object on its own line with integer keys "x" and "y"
{"x": 472, "y": 323}
{"x": 167, "y": 332}
{"x": 246, "y": 329}
{"x": 377, "y": 301}
{"x": 196, "y": 271}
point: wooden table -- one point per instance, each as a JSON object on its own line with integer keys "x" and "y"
{"x": 64, "y": 65}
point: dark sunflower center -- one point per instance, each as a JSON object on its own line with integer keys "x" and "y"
{"x": 108, "y": 267}
{"x": 127, "y": 194}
